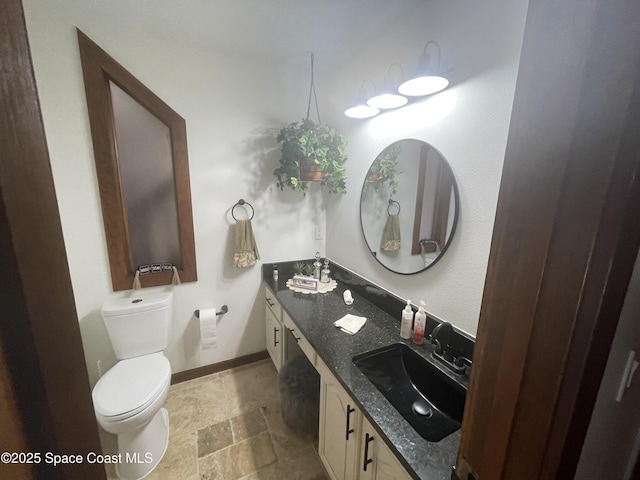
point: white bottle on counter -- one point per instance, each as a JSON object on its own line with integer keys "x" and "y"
{"x": 407, "y": 321}
{"x": 419, "y": 325}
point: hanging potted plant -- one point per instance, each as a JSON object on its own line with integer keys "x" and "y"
{"x": 384, "y": 169}
{"x": 311, "y": 152}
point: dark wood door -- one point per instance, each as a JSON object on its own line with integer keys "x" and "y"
{"x": 39, "y": 327}
{"x": 566, "y": 234}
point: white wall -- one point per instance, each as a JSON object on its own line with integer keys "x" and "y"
{"x": 231, "y": 106}
{"x": 468, "y": 123}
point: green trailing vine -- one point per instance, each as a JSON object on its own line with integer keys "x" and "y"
{"x": 317, "y": 144}
{"x": 385, "y": 169}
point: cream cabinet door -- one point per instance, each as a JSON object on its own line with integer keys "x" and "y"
{"x": 376, "y": 461}
{"x": 274, "y": 336}
{"x": 339, "y": 428}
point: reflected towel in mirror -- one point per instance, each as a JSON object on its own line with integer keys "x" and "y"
{"x": 391, "y": 234}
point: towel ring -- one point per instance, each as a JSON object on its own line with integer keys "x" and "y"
{"x": 242, "y": 202}
{"x": 391, "y": 203}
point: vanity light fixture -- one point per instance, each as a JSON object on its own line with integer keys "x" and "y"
{"x": 427, "y": 79}
{"x": 388, "y": 96}
{"x": 360, "y": 109}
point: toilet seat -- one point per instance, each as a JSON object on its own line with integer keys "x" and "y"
{"x": 131, "y": 386}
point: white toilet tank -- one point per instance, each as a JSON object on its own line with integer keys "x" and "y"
{"x": 138, "y": 325}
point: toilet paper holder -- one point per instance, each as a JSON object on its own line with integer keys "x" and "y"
{"x": 224, "y": 309}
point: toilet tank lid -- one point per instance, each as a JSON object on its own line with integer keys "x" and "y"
{"x": 136, "y": 304}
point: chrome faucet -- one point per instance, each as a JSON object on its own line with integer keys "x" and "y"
{"x": 434, "y": 337}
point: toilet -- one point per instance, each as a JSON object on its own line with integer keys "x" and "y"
{"x": 128, "y": 398}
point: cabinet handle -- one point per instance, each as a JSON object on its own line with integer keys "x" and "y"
{"x": 367, "y": 460}
{"x": 275, "y": 336}
{"x": 293, "y": 332}
{"x": 349, "y": 412}
{"x": 269, "y": 302}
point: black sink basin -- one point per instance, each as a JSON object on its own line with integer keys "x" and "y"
{"x": 432, "y": 403}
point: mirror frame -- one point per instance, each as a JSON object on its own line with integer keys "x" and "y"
{"x": 98, "y": 69}
{"x": 456, "y": 213}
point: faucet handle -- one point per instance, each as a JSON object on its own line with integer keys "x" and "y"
{"x": 438, "y": 346}
{"x": 463, "y": 362}
{"x": 441, "y": 346}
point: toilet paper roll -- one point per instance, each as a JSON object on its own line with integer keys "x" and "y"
{"x": 348, "y": 299}
{"x": 208, "y": 323}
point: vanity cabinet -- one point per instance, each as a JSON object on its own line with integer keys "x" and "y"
{"x": 349, "y": 447}
{"x": 274, "y": 329}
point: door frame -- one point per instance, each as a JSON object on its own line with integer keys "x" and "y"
{"x": 565, "y": 238}
{"x": 39, "y": 327}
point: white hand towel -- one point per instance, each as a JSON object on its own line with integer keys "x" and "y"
{"x": 350, "y": 323}
{"x": 208, "y": 323}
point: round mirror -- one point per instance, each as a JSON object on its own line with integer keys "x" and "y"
{"x": 409, "y": 206}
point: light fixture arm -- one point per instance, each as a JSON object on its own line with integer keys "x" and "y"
{"x": 373, "y": 85}
{"x": 401, "y": 71}
{"x": 433, "y": 42}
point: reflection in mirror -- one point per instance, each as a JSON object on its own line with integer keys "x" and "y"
{"x": 149, "y": 194}
{"x": 409, "y": 206}
{"x": 140, "y": 149}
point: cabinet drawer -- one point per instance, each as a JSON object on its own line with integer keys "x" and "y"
{"x": 303, "y": 343}
{"x": 273, "y": 304}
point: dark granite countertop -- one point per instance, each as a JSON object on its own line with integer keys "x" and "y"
{"x": 314, "y": 315}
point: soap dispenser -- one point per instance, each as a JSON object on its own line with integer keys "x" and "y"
{"x": 324, "y": 275}
{"x": 419, "y": 325}
{"x": 317, "y": 266}
{"x": 407, "y": 321}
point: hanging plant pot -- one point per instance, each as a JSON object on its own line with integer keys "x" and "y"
{"x": 311, "y": 152}
{"x": 374, "y": 177}
{"x": 309, "y": 171}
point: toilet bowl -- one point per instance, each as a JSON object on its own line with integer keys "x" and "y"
{"x": 128, "y": 398}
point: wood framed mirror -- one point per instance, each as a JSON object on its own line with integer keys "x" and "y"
{"x": 140, "y": 149}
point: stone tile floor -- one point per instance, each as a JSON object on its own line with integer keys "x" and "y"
{"x": 227, "y": 426}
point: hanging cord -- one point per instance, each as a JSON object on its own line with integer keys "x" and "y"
{"x": 175, "y": 278}
{"x": 136, "y": 281}
{"x": 312, "y": 89}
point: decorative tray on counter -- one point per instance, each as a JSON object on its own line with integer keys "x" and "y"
{"x": 310, "y": 285}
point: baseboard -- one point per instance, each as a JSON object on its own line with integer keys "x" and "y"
{"x": 197, "y": 372}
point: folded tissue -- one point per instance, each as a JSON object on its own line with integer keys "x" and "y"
{"x": 350, "y": 323}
